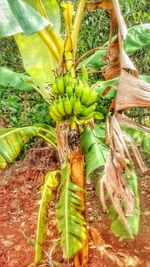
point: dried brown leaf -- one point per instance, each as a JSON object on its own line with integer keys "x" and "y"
{"x": 132, "y": 92}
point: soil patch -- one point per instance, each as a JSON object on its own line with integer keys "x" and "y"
{"x": 19, "y": 202}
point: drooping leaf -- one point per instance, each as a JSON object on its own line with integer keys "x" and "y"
{"x": 95, "y": 152}
{"x": 17, "y": 16}
{"x": 13, "y": 139}
{"x": 133, "y": 221}
{"x": 137, "y": 37}
{"x": 71, "y": 223}
{"x": 9, "y": 78}
{"x": 49, "y": 186}
{"x": 22, "y": 82}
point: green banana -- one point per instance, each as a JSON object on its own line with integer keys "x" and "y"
{"x": 61, "y": 85}
{"x": 86, "y": 111}
{"x": 92, "y": 97}
{"x": 77, "y": 106}
{"x": 87, "y": 117}
{"x": 84, "y": 75}
{"x": 78, "y": 89}
{"x": 72, "y": 99}
{"x": 60, "y": 107}
{"x": 67, "y": 105}
{"x": 69, "y": 89}
{"x": 54, "y": 117}
{"x": 54, "y": 109}
{"x": 55, "y": 91}
{"x": 85, "y": 94}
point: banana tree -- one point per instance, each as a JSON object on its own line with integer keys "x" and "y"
{"x": 55, "y": 73}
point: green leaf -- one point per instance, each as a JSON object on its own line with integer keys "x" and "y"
{"x": 100, "y": 87}
{"x": 140, "y": 137}
{"x": 9, "y": 78}
{"x": 145, "y": 78}
{"x": 17, "y": 16}
{"x": 12, "y": 140}
{"x": 50, "y": 184}
{"x": 95, "y": 61}
{"x": 95, "y": 152}
{"x": 71, "y": 223}
{"x": 133, "y": 221}
{"x": 137, "y": 37}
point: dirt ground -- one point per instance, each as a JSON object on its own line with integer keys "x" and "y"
{"x": 19, "y": 202}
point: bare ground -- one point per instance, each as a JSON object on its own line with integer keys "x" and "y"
{"x": 19, "y": 202}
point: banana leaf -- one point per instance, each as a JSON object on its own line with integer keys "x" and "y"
{"x": 95, "y": 152}
{"x": 117, "y": 227}
{"x": 17, "y": 16}
{"x": 137, "y": 37}
{"x": 37, "y": 59}
{"x": 52, "y": 10}
{"x": 101, "y": 86}
{"x": 50, "y": 184}
{"x": 71, "y": 223}
{"x": 9, "y": 78}
{"x": 95, "y": 61}
{"x": 13, "y": 139}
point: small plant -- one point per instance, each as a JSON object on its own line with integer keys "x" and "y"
{"x": 62, "y": 80}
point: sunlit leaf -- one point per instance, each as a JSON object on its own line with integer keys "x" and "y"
{"x": 37, "y": 59}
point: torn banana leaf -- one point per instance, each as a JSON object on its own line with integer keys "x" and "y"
{"x": 13, "y": 139}
{"x": 71, "y": 223}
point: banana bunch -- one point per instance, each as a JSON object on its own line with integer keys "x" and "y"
{"x": 74, "y": 99}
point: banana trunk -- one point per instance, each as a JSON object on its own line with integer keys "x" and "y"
{"x": 77, "y": 176}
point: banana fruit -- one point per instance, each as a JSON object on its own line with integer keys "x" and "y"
{"x": 74, "y": 99}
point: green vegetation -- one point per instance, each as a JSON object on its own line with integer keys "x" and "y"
{"x": 71, "y": 100}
